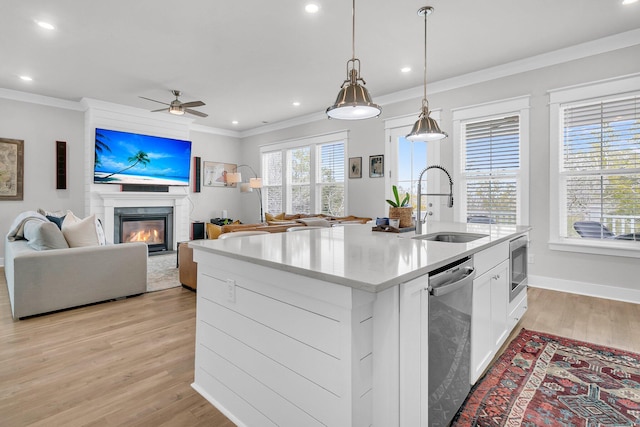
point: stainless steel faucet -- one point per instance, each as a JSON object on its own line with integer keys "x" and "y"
{"x": 419, "y": 220}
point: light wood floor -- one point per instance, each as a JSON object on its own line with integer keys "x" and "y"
{"x": 121, "y": 363}
{"x": 130, "y": 362}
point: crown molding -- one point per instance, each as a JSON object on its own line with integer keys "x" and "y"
{"x": 572, "y": 53}
{"x": 33, "y": 98}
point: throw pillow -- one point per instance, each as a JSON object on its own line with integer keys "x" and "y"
{"x": 213, "y": 230}
{"x": 42, "y": 236}
{"x": 271, "y": 217}
{"x": 102, "y": 238}
{"x": 57, "y": 220}
{"x": 59, "y": 214}
{"x": 80, "y": 232}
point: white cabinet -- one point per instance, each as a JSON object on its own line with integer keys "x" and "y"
{"x": 414, "y": 353}
{"x": 490, "y": 325}
{"x": 517, "y": 308}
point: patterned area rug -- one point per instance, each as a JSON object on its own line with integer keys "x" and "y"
{"x": 162, "y": 272}
{"x": 545, "y": 380}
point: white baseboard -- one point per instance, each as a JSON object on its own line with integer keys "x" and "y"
{"x": 584, "y": 288}
{"x": 217, "y": 404}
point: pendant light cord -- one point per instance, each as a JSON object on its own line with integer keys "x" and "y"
{"x": 424, "y": 100}
{"x": 353, "y": 30}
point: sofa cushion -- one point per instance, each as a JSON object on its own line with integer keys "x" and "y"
{"x": 42, "y": 236}
{"x": 315, "y": 222}
{"x": 82, "y": 232}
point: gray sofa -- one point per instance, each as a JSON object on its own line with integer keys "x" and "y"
{"x": 41, "y": 281}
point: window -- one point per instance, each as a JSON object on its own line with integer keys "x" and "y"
{"x": 305, "y": 176}
{"x": 272, "y": 181}
{"x": 407, "y": 159}
{"x": 596, "y": 163}
{"x": 330, "y": 180}
{"x": 492, "y": 176}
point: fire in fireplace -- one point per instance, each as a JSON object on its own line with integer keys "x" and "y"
{"x": 150, "y": 231}
{"x": 151, "y": 225}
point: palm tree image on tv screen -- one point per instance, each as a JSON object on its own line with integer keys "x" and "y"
{"x": 130, "y": 158}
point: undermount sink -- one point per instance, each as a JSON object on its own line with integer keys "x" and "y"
{"x": 451, "y": 237}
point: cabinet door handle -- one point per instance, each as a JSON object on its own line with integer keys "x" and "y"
{"x": 496, "y": 277}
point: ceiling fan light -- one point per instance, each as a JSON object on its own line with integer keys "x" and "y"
{"x": 426, "y": 129}
{"x": 353, "y": 103}
{"x": 176, "y": 109}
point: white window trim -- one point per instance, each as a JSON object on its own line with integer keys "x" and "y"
{"x": 518, "y": 105}
{"x": 313, "y": 142}
{"x": 390, "y": 126}
{"x": 624, "y": 85}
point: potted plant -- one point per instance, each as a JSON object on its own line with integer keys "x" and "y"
{"x": 400, "y": 208}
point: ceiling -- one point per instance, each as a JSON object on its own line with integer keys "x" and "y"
{"x": 250, "y": 60}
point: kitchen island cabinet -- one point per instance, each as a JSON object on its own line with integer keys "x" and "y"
{"x": 318, "y": 327}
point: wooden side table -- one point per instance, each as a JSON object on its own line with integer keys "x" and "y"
{"x": 187, "y": 269}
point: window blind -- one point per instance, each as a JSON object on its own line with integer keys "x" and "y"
{"x": 600, "y": 168}
{"x": 331, "y": 178}
{"x": 272, "y": 181}
{"x": 491, "y": 169}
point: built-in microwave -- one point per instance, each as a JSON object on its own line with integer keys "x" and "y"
{"x": 518, "y": 257}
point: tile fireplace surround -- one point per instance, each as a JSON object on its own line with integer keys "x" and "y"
{"x": 104, "y": 204}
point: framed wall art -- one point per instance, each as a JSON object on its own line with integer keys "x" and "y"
{"x": 355, "y": 167}
{"x": 11, "y": 169}
{"x": 376, "y": 166}
{"x": 215, "y": 174}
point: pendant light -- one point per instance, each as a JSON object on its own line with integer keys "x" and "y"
{"x": 426, "y": 128}
{"x": 353, "y": 101}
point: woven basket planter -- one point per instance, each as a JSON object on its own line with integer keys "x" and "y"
{"x": 404, "y": 214}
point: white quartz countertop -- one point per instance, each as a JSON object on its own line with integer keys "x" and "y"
{"x": 356, "y": 256}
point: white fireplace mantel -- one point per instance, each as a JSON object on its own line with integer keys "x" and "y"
{"x": 112, "y": 200}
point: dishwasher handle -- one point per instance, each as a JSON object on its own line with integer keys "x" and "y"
{"x": 470, "y": 273}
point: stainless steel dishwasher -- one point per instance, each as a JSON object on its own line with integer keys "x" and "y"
{"x": 450, "y": 291}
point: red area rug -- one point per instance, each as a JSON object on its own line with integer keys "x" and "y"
{"x": 545, "y": 380}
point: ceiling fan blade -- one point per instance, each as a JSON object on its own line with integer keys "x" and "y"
{"x": 149, "y": 99}
{"x": 162, "y": 109}
{"x": 195, "y": 113}
{"x": 193, "y": 104}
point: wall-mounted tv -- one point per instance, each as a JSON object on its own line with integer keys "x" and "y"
{"x": 131, "y": 158}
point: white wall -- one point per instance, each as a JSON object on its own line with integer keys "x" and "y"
{"x": 212, "y": 200}
{"x": 593, "y": 274}
{"x": 40, "y": 127}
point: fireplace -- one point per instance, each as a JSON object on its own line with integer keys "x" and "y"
{"x": 151, "y": 225}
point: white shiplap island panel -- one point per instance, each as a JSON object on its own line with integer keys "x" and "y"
{"x": 303, "y": 329}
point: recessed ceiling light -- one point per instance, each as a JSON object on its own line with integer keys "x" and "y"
{"x": 296, "y": 104}
{"x": 629, "y": 1}
{"x": 45, "y": 25}
{"x": 235, "y": 122}
{"x": 405, "y": 69}
{"x": 26, "y": 78}
{"x": 312, "y": 8}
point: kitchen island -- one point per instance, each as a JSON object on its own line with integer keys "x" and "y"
{"x": 322, "y": 326}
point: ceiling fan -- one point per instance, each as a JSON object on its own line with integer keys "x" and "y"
{"x": 179, "y": 108}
